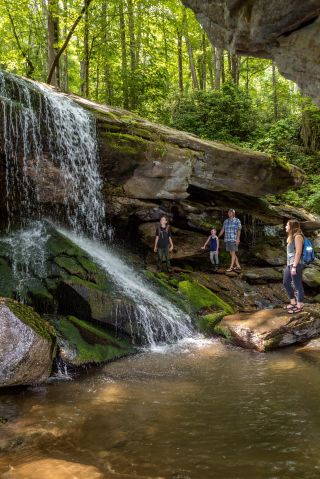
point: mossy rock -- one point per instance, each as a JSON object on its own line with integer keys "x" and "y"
{"x": 167, "y": 287}
{"x": 208, "y": 322}
{"x": 85, "y": 299}
{"x": 58, "y": 244}
{"x": 28, "y": 316}
{"x": 84, "y": 343}
{"x": 7, "y": 284}
{"x": 71, "y": 265}
{"x": 221, "y": 330}
{"x": 39, "y": 297}
{"x": 201, "y": 297}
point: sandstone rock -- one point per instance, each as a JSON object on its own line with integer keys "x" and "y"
{"x": 311, "y": 346}
{"x": 269, "y": 329}
{"x": 262, "y": 275}
{"x": 311, "y": 276}
{"x": 286, "y": 31}
{"x": 27, "y": 345}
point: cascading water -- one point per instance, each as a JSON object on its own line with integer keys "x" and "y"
{"x": 154, "y": 315}
{"x": 46, "y": 136}
{"x": 44, "y": 133}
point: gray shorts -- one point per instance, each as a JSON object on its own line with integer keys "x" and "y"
{"x": 231, "y": 246}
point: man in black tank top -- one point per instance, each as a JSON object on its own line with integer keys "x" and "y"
{"x": 163, "y": 243}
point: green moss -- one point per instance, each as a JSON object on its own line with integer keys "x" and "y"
{"x": 92, "y": 344}
{"x": 208, "y": 322}
{"x": 58, "y": 244}
{"x": 168, "y": 290}
{"x": 221, "y": 330}
{"x": 201, "y": 297}
{"x": 29, "y": 317}
{"x": 125, "y": 143}
{"x": 71, "y": 265}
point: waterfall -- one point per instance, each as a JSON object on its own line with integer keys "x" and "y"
{"x": 50, "y": 148}
{"x": 47, "y": 136}
{"x": 155, "y": 316}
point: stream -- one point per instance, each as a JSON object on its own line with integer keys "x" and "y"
{"x": 198, "y": 409}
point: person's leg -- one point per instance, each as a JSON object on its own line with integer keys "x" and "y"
{"x": 216, "y": 258}
{"x": 233, "y": 258}
{"x": 167, "y": 259}
{"x": 287, "y": 283}
{"x": 212, "y": 257}
{"x": 297, "y": 281}
{"x": 160, "y": 258}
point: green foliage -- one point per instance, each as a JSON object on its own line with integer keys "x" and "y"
{"x": 227, "y": 114}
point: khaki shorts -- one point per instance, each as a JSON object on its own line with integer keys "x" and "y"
{"x": 231, "y": 246}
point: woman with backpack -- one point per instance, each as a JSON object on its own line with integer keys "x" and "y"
{"x": 293, "y": 273}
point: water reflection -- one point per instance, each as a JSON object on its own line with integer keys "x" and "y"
{"x": 197, "y": 410}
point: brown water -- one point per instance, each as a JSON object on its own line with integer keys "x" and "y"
{"x": 197, "y": 411}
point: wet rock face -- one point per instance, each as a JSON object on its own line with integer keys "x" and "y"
{"x": 269, "y": 329}
{"x": 26, "y": 346}
{"x": 287, "y": 31}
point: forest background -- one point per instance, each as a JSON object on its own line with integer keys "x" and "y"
{"x": 152, "y": 57}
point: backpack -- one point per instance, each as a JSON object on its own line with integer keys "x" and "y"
{"x": 308, "y": 251}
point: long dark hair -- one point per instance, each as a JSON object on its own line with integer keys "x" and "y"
{"x": 166, "y": 217}
{"x": 294, "y": 230}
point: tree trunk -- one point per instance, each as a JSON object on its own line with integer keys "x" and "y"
{"x": 204, "y": 62}
{"x": 84, "y": 66}
{"x": 53, "y": 39}
{"x": 180, "y": 62}
{"x": 235, "y": 69}
{"x": 193, "y": 71}
{"x": 108, "y": 85}
{"x": 66, "y": 41}
{"x": 124, "y": 62}
{"x": 216, "y": 60}
{"x": 132, "y": 44}
{"x": 275, "y": 93}
{"x": 222, "y": 69}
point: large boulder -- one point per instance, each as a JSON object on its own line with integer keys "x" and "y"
{"x": 145, "y": 160}
{"x": 270, "y": 328}
{"x": 286, "y": 31}
{"x": 262, "y": 275}
{"x": 27, "y": 345}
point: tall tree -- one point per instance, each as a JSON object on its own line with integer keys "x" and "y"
{"x": 124, "y": 61}
{"x": 53, "y": 39}
{"x": 192, "y": 67}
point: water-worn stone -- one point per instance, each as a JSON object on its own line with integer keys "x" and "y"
{"x": 27, "y": 345}
{"x": 270, "y": 328}
{"x": 287, "y": 31}
{"x": 311, "y": 276}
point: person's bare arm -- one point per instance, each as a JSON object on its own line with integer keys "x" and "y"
{"x": 218, "y": 243}
{"x": 298, "y": 242}
{"x": 171, "y": 244}
{"x": 238, "y": 235}
{"x": 206, "y": 243}
{"x": 155, "y": 249}
{"x": 221, "y": 232}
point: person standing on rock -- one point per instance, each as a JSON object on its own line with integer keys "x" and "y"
{"x": 231, "y": 230}
{"x": 292, "y": 275}
{"x": 163, "y": 243}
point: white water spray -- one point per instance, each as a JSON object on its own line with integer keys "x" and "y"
{"x": 154, "y": 315}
